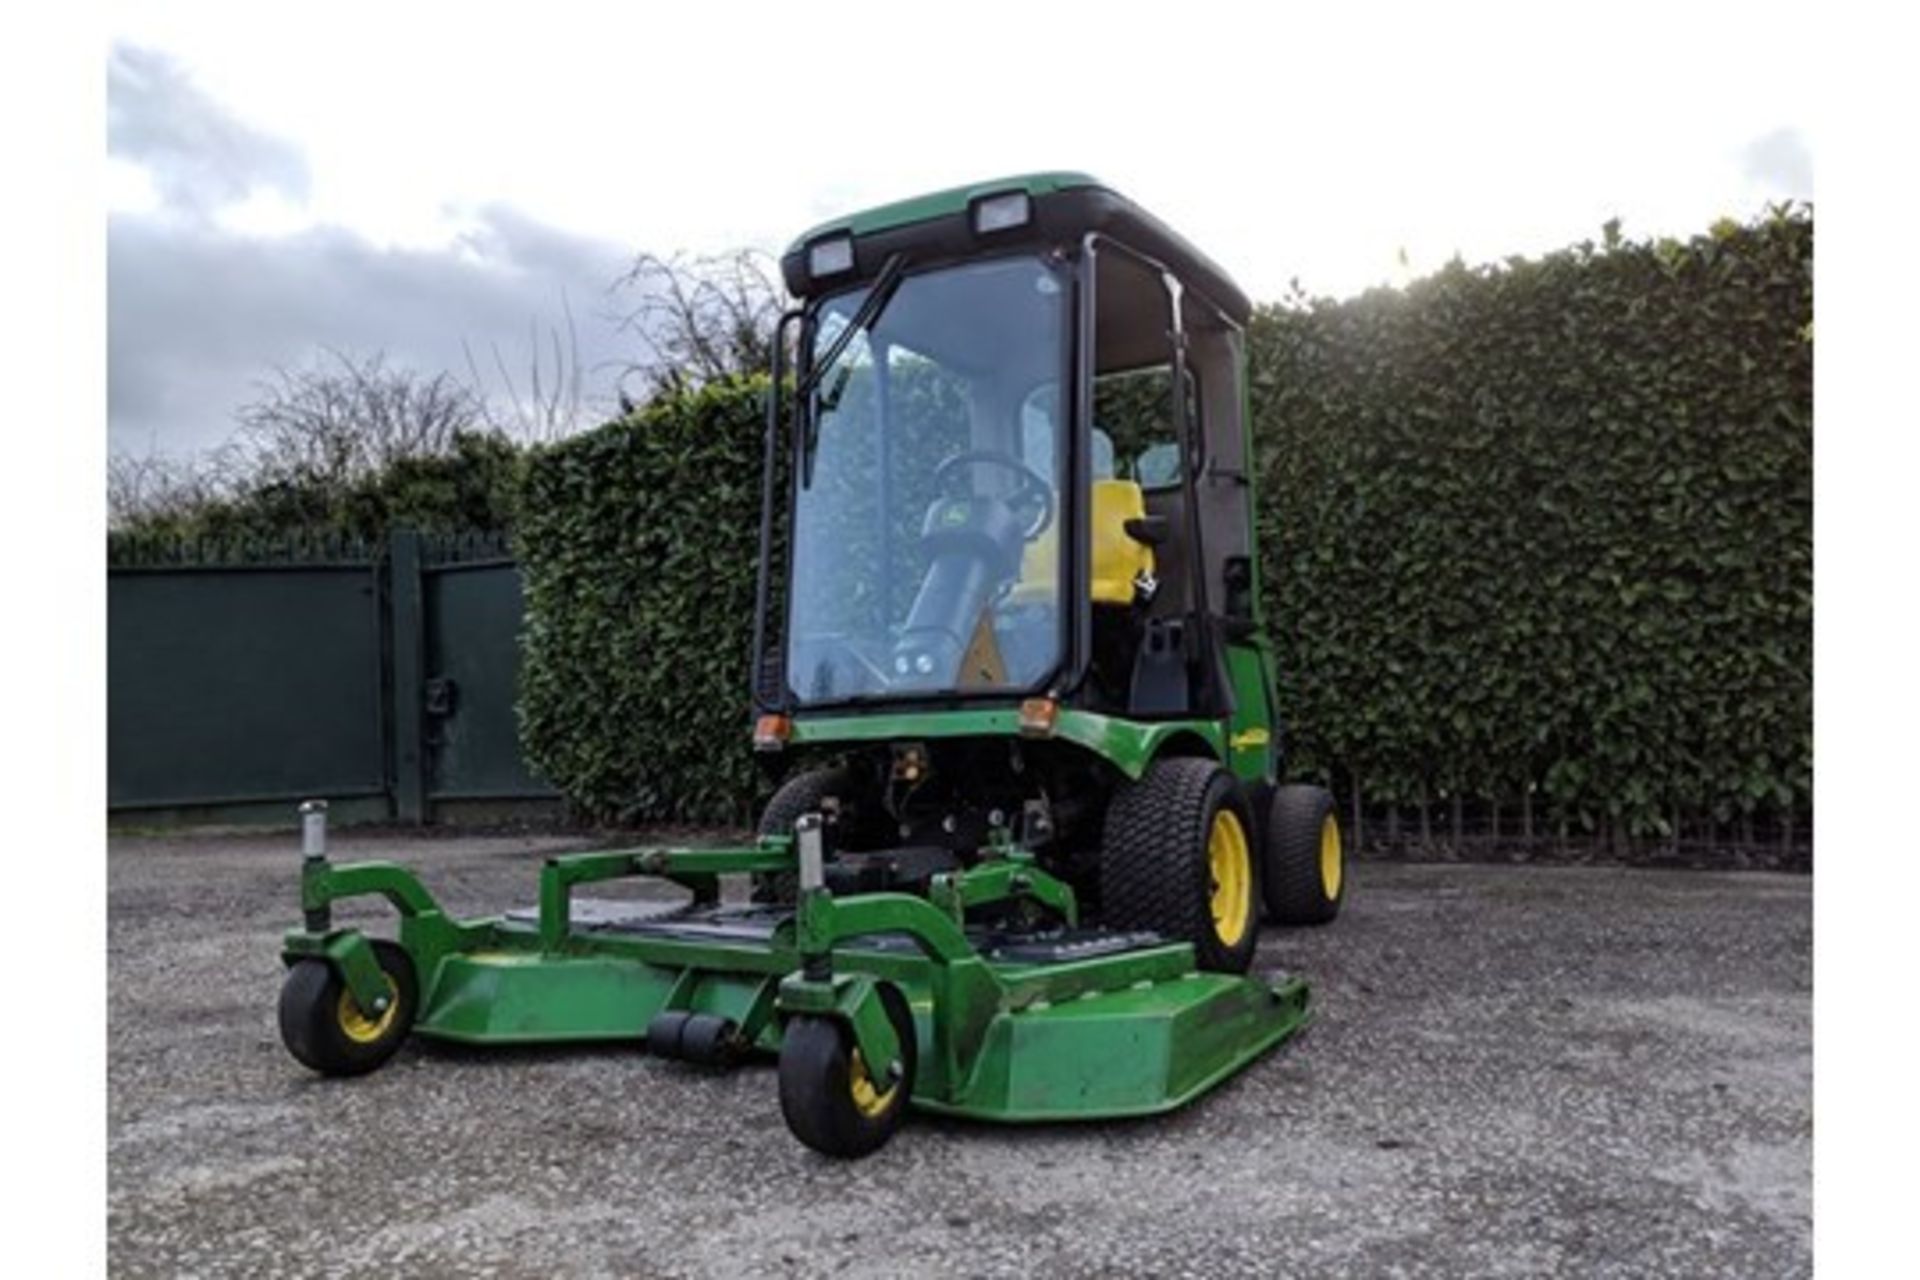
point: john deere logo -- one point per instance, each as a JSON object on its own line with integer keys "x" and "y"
{"x": 956, "y": 514}
{"x": 1249, "y": 738}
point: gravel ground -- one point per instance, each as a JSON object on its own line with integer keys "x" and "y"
{"x": 1515, "y": 1071}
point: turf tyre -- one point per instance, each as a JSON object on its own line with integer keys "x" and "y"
{"x": 1154, "y": 859}
{"x": 803, "y": 793}
{"x": 1301, "y": 889}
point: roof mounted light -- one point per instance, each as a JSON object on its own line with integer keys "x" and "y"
{"x": 830, "y": 257}
{"x": 1002, "y": 212}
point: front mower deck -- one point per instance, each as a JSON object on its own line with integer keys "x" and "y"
{"x": 1010, "y": 1025}
{"x": 1141, "y": 1033}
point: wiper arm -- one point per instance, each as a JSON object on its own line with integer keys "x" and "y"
{"x": 876, "y": 301}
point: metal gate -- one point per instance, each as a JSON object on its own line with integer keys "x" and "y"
{"x": 379, "y": 676}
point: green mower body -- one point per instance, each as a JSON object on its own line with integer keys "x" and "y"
{"x": 1013, "y": 683}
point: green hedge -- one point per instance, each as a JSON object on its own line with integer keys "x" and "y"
{"x": 472, "y": 486}
{"x": 1543, "y": 526}
{"x": 638, "y": 543}
{"x": 1547, "y": 526}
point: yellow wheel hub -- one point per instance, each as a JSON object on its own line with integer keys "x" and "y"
{"x": 1230, "y": 869}
{"x": 866, "y": 1096}
{"x": 1331, "y": 863}
{"x": 357, "y": 1026}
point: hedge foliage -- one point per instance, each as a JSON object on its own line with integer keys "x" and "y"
{"x": 1548, "y": 525}
{"x": 471, "y": 486}
{"x": 1542, "y": 528}
{"x": 638, "y": 544}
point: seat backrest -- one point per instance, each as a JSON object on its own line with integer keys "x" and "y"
{"x": 1117, "y": 558}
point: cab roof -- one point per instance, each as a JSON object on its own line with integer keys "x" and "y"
{"x": 1065, "y": 207}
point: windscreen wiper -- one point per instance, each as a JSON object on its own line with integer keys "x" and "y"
{"x": 876, "y": 301}
{"x": 869, "y": 311}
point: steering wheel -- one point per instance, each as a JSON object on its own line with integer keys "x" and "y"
{"x": 1033, "y": 487}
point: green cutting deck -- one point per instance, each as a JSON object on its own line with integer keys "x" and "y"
{"x": 1057, "y": 1024}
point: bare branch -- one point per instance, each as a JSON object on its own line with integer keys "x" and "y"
{"x": 553, "y": 406}
{"x": 698, "y": 319}
{"x": 348, "y": 418}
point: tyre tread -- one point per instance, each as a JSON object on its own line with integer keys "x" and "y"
{"x": 1153, "y": 860}
{"x": 1294, "y": 893}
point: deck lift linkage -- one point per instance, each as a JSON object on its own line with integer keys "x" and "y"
{"x": 1014, "y": 681}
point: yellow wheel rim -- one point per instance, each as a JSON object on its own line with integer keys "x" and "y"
{"x": 1331, "y": 863}
{"x": 866, "y": 1097}
{"x": 1231, "y": 871}
{"x": 357, "y": 1026}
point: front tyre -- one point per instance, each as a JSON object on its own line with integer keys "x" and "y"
{"x": 1177, "y": 857}
{"x": 835, "y": 1101}
{"x": 803, "y": 793}
{"x": 323, "y": 1027}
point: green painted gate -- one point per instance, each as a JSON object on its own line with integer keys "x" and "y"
{"x": 472, "y": 610}
{"x": 382, "y": 676}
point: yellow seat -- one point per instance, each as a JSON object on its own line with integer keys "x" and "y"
{"x": 1117, "y": 558}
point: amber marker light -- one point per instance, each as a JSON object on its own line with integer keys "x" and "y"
{"x": 1037, "y": 716}
{"x": 771, "y": 732}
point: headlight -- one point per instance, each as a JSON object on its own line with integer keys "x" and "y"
{"x": 830, "y": 257}
{"x": 1001, "y": 212}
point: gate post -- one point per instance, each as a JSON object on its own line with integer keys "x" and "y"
{"x": 409, "y": 676}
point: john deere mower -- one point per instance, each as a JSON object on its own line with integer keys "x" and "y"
{"x": 1011, "y": 676}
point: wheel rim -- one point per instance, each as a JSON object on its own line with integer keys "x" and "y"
{"x": 867, "y": 1098}
{"x": 1231, "y": 872}
{"x": 357, "y": 1026}
{"x": 1330, "y": 860}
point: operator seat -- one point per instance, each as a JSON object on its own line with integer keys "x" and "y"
{"x": 1120, "y": 562}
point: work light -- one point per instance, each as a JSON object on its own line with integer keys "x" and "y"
{"x": 1002, "y": 212}
{"x": 830, "y": 257}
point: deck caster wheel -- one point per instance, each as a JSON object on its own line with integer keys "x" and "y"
{"x": 326, "y": 1030}
{"x": 835, "y": 1101}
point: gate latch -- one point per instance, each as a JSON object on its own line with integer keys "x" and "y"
{"x": 440, "y": 692}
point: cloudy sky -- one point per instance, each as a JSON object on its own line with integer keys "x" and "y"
{"x": 409, "y": 178}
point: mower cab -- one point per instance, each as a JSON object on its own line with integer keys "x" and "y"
{"x": 1012, "y": 681}
{"x": 1003, "y": 485}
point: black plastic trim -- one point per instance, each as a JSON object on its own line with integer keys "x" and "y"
{"x": 1061, "y": 219}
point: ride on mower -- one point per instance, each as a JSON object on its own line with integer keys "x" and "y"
{"x": 1011, "y": 674}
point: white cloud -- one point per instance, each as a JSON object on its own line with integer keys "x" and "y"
{"x": 1781, "y": 162}
{"x": 1316, "y": 145}
{"x": 265, "y": 212}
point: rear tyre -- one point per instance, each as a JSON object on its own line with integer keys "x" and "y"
{"x": 833, "y": 1100}
{"x": 1306, "y": 856}
{"x": 1177, "y": 857}
{"x": 326, "y": 1030}
{"x": 801, "y": 794}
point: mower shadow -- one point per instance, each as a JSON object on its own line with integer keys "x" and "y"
{"x": 448, "y": 1051}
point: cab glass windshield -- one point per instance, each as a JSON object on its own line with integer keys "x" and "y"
{"x": 926, "y": 547}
